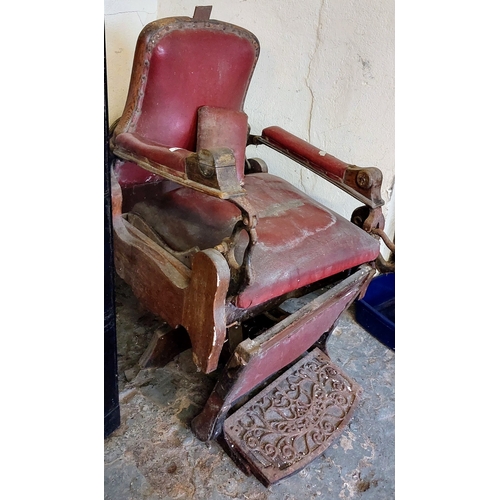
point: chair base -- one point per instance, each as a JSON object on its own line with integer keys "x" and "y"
{"x": 256, "y": 361}
{"x": 293, "y": 421}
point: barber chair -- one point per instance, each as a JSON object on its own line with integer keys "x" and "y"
{"x": 215, "y": 245}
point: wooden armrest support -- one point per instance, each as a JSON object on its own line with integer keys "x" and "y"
{"x": 215, "y": 168}
{"x": 361, "y": 183}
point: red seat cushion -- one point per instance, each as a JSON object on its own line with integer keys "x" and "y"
{"x": 299, "y": 240}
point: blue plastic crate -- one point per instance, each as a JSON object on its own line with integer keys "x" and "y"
{"x": 376, "y": 311}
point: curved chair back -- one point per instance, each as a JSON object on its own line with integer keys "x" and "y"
{"x": 181, "y": 64}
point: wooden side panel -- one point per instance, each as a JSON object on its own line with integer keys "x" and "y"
{"x": 157, "y": 279}
{"x": 193, "y": 298}
{"x": 204, "y": 314}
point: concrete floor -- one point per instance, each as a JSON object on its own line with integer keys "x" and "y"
{"x": 153, "y": 455}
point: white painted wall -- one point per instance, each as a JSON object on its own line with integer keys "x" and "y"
{"x": 325, "y": 73}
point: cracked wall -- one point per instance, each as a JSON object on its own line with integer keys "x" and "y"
{"x": 326, "y": 74}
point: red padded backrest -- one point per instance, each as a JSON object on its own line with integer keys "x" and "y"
{"x": 181, "y": 65}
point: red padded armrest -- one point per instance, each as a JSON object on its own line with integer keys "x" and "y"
{"x": 361, "y": 183}
{"x": 139, "y": 147}
{"x": 331, "y": 166}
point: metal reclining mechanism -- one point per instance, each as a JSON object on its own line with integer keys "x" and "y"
{"x": 211, "y": 242}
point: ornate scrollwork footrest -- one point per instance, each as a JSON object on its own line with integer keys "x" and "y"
{"x": 293, "y": 420}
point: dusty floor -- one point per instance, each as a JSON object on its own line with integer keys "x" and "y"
{"x": 153, "y": 455}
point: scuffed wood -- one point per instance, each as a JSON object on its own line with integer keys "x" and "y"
{"x": 181, "y": 177}
{"x": 215, "y": 168}
{"x": 116, "y": 196}
{"x": 193, "y": 298}
{"x": 204, "y": 315}
{"x": 157, "y": 278}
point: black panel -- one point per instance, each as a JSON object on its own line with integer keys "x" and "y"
{"x": 111, "y": 402}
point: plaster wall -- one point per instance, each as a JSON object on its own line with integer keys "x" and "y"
{"x": 325, "y": 73}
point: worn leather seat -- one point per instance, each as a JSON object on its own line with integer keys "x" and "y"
{"x": 299, "y": 240}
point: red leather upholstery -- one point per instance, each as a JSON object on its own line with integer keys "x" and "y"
{"x": 224, "y": 128}
{"x": 129, "y": 174}
{"x": 216, "y": 128}
{"x": 300, "y": 241}
{"x": 180, "y": 66}
{"x": 193, "y": 65}
{"x": 211, "y": 68}
{"x": 331, "y": 166}
{"x": 157, "y": 152}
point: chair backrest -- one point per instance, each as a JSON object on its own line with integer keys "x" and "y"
{"x": 181, "y": 64}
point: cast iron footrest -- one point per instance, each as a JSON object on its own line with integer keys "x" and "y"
{"x": 293, "y": 420}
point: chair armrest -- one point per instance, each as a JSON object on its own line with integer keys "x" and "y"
{"x": 361, "y": 183}
{"x": 211, "y": 171}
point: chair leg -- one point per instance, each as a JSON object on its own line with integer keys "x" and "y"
{"x": 166, "y": 343}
